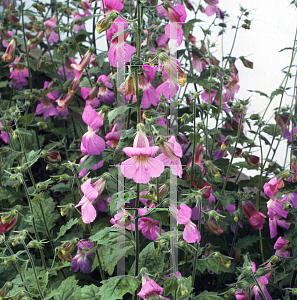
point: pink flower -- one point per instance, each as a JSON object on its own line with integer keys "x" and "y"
{"x": 105, "y": 95}
{"x": 4, "y": 228}
{"x": 7, "y": 56}
{"x": 51, "y": 35}
{"x": 232, "y": 87}
{"x": 4, "y": 36}
{"x": 92, "y": 143}
{"x": 123, "y": 219}
{"x": 19, "y": 73}
{"x": 148, "y": 226}
{"x": 87, "y": 209}
{"x": 78, "y": 26}
{"x": 114, "y": 136}
{"x": 191, "y": 234}
{"x": 272, "y": 186}
{"x": 141, "y": 166}
{"x": 46, "y": 106}
{"x": 291, "y": 198}
{"x": 167, "y": 89}
{"x": 79, "y": 68}
{"x": 212, "y": 8}
{"x": 242, "y": 295}
{"x": 69, "y": 70}
{"x": 198, "y": 64}
{"x": 275, "y": 207}
{"x": 110, "y": 5}
{"x": 3, "y": 135}
{"x": 90, "y": 96}
{"x": 172, "y": 153}
{"x": 150, "y": 289}
{"x": 274, "y": 222}
{"x": 80, "y": 261}
{"x": 256, "y": 218}
{"x": 281, "y": 245}
{"x": 84, "y": 171}
{"x": 86, "y": 7}
{"x": 119, "y": 51}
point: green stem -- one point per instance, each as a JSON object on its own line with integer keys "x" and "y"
{"x": 26, "y": 47}
{"x": 34, "y": 270}
{"x": 231, "y": 160}
{"x": 136, "y": 236}
{"x": 194, "y": 147}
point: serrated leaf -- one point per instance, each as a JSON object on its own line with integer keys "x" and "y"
{"x": 49, "y": 212}
{"x": 225, "y": 198}
{"x": 158, "y": 215}
{"x": 51, "y": 294}
{"x": 67, "y": 289}
{"x": 149, "y": 259}
{"x": 189, "y": 26}
{"x": 247, "y": 241}
{"x": 32, "y": 157}
{"x": 243, "y": 164}
{"x": 4, "y": 84}
{"x": 127, "y": 138}
{"x": 116, "y": 287}
{"x": 208, "y": 296}
{"x": 88, "y": 292}
{"x": 212, "y": 264}
{"x": 90, "y": 161}
{"x": 60, "y": 187}
{"x": 67, "y": 226}
{"x": 113, "y": 114}
{"x": 9, "y": 194}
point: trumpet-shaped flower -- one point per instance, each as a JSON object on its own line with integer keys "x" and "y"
{"x": 172, "y": 153}
{"x": 256, "y": 218}
{"x": 281, "y": 245}
{"x": 81, "y": 261}
{"x": 19, "y": 73}
{"x": 142, "y": 165}
{"x": 105, "y": 95}
{"x": 92, "y": 143}
{"x": 191, "y": 234}
{"x": 272, "y": 186}
{"x": 150, "y": 289}
{"x": 274, "y": 222}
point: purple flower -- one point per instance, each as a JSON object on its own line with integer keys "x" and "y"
{"x": 19, "y": 73}
{"x": 273, "y": 223}
{"x": 81, "y": 261}
{"x": 281, "y": 245}
{"x": 105, "y": 95}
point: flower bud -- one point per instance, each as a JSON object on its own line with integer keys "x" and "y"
{"x": 5, "y": 289}
{"x": 66, "y": 209}
{"x": 106, "y": 23}
{"x": 8, "y": 217}
{"x": 7, "y": 56}
{"x": 10, "y": 259}
{"x": 13, "y": 19}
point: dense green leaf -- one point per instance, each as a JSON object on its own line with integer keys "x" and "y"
{"x": 87, "y": 292}
{"x": 116, "y": 287}
{"x": 189, "y": 26}
{"x": 212, "y": 264}
{"x": 225, "y": 198}
{"x": 149, "y": 259}
{"x": 10, "y": 194}
{"x": 208, "y": 296}
{"x": 66, "y": 227}
{"x": 247, "y": 241}
{"x": 89, "y": 162}
{"x": 128, "y": 195}
{"x": 67, "y": 289}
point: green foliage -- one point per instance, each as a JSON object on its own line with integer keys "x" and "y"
{"x": 212, "y": 264}
{"x": 116, "y": 287}
{"x": 247, "y": 241}
{"x": 67, "y": 226}
{"x": 208, "y": 296}
{"x": 67, "y": 289}
{"x": 88, "y": 292}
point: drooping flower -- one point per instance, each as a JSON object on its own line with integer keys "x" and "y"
{"x": 272, "y": 186}
{"x": 19, "y": 72}
{"x": 69, "y": 70}
{"x": 105, "y": 95}
{"x": 281, "y": 245}
{"x": 86, "y": 7}
{"x": 84, "y": 171}
{"x": 191, "y": 233}
{"x": 212, "y": 8}
{"x": 79, "y": 68}
{"x": 148, "y": 226}
{"x": 123, "y": 219}
{"x": 81, "y": 261}
{"x": 4, "y": 228}
{"x": 141, "y": 166}
{"x": 275, "y": 207}
{"x": 114, "y": 136}
{"x": 78, "y": 24}
{"x": 150, "y": 289}
{"x": 50, "y": 34}
{"x": 91, "y": 142}
{"x": 4, "y": 36}
{"x": 3, "y": 134}
{"x": 274, "y": 222}
{"x": 7, "y": 56}
{"x": 90, "y": 96}
{"x": 46, "y": 106}
{"x": 232, "y": 87}
{"x": 171, "y": 155}
{"x": 256, "y": 218}
{"x": 214, "y": 227}
{"x": 290, "y": 198}
{"x": 119, "y": 51}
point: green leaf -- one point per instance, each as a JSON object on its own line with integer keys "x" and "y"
{"x": 158, "y": 215}
{"x": 101, "y": 57}
{"x": 67, "y": 289}
{"x": 189, "y": 26}
{"x": 127, "y": 138}
{"x": 60, "y": 187}
{"x": 212, "y": 264}
{"x": 116, "y": 287}
{"x": 10, "y": 194}
{"x": 88, "y": 292}
{"x": 128, "y": 195}
{"x": 247, "y": 241}
{"x": 51, "y": 294}
{"x": 170, "y": 286}
{"x": 32, "y": 157}
{"x": 208, "y": 296}
{"x": 4, "y": 84}
{"x": 198, "y": 175}
{"x": 149, "y": 259}
{"x": 66, "y": 227}
{"x": 243, "y": 164}
{"x": 259, "y": 92}
{"x": 117, "y": 111}
{"x": 89, "y": 162}
{"x": 225, "y": 198}
{"x": 49, "y": 212}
